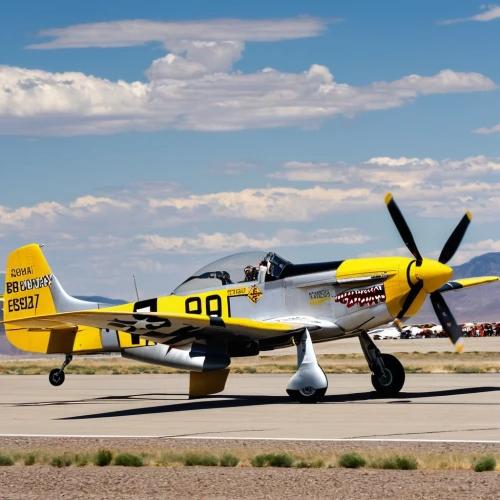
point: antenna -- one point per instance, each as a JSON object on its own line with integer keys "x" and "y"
{"x": 136, "y": 291}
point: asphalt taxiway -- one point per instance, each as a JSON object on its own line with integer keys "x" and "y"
{"x": 431, "y": 407}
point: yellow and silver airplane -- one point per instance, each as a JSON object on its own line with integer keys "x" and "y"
{"x": 239, "y": 306}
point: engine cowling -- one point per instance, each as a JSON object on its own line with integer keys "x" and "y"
{"x": 200, "y": 358}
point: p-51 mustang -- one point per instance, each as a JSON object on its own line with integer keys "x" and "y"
{"x": 239, "y": 306}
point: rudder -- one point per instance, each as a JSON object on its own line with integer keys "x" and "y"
{"x": 28, "y": 279}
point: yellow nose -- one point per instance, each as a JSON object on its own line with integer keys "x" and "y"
{"x": 433, "y": 273}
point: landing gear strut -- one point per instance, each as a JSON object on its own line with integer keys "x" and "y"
{"x": 309, "y": 383}
{"x": 56, "y": 376}
{"x": 388, "y": 374}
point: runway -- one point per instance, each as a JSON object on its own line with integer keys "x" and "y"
{"x": 432, "y": 407}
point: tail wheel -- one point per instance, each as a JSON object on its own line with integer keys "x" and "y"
{"x": 56, "y": 377}
{"x": 392, "y": 380}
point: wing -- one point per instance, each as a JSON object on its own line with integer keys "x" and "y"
{"x": 467, "y": 282}
{"x": 158, "y": 326}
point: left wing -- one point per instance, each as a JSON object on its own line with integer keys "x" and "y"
{"x": 467, "y": 282}
{"x": 157, "y": 326}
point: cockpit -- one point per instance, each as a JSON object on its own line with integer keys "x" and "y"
{"x": 238, "y": 268}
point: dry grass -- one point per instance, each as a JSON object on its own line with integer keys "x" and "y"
{"x": 240, "y": 458}
{"x": 414, "y": 362}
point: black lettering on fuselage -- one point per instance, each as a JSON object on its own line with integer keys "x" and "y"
{"x": 213, "y": 305}
{"x": 23, "y": 303}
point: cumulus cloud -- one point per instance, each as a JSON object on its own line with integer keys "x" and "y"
{"x": 223, "y": 242}
{"x": 388, "y": 173}
{"x": 432, "y": 186}
{"x": 490, "y": 12}
{"x": 194, "y": 87}
{"x": 270, "y": 204}
{"x": 36, "y": 102}
{"x": 484, "y": 130}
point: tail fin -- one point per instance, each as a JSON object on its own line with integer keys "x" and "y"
{"x": 28, "y": 279}
{"x": 31, "y": 289}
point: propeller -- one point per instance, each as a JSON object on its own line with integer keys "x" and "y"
{"x": 402, "y": 227}
{"x": 430, "y": 274}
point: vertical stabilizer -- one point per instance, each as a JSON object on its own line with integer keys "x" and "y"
{"x": 28, "y": 279}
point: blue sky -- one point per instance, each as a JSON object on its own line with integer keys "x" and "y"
{"x": 150, "y": 137}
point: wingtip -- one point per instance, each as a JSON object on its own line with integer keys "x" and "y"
{"x": 388, "y": 198}
{"x": 469, "y": 215}
{"x": 459, "y": 347}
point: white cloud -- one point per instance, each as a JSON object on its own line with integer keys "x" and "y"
{"x": 36, "y": 102}
{"x": 193, "y": 86}
{"x": 470, "y": 250}
{"x": 141, "y": 31}
{"x": 391, "y": 173}
{"x": 490, "y": 12}
{"x": 222, "y": 242}
{"x": 444, "y": 187}
{"x": 484, "y": 130}
{"x": 270, "y": 204}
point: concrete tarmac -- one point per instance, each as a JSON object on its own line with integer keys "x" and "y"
{"x": 431, "y": 407}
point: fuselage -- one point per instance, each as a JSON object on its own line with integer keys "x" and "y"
{"x": 338, "y": 299}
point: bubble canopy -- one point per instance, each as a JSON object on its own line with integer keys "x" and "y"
{"x": 231, "y": 270}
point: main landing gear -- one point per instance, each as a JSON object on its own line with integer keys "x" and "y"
{"x": 56, "y": 376}
{"x": 309, "y": 383}
{"x": 388, "y": 374}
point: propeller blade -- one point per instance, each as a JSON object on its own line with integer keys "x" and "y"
{"x": 412, "y": 295}
{"x": 450, "y": 247}
{"x": 447, "y": 320}
{"x": 402, "y": 227}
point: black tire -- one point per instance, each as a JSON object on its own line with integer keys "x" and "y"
{"x": 307, "y": 395}
{"x": 394, "y": 380}
{"x": 56, "y": 377}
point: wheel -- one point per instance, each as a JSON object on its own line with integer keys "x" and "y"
{"x": 307, "y": 394}
{"x": 56, "y": 377}
{"x": 394, "y": 378}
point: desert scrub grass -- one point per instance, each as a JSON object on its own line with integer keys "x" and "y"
{"x": 488, "y": 462}
{"x": 396, "y": 462}
{"x": 351, "y": 460}
{"x": 316, "y": 464}
{"x": 81, "y": 460}
{"x": 103, "y": 458}
{"x": 170, "y": 458}
{"x": 29, "y": 459}
{"x": 206, "y": 459}
{"x": 229, "y": 460}
{"x": 61, "y": 461}
{"x": 272, "y": 460}
{"x": 6, "y": 460}
{"x": 128, "y": 460}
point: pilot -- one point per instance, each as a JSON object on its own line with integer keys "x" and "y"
{"x": 251, "y": 273}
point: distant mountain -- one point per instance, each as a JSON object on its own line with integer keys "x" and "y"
{"x": 484, "y": 265}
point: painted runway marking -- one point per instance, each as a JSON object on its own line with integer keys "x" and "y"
{"x": 243, "y": 438}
